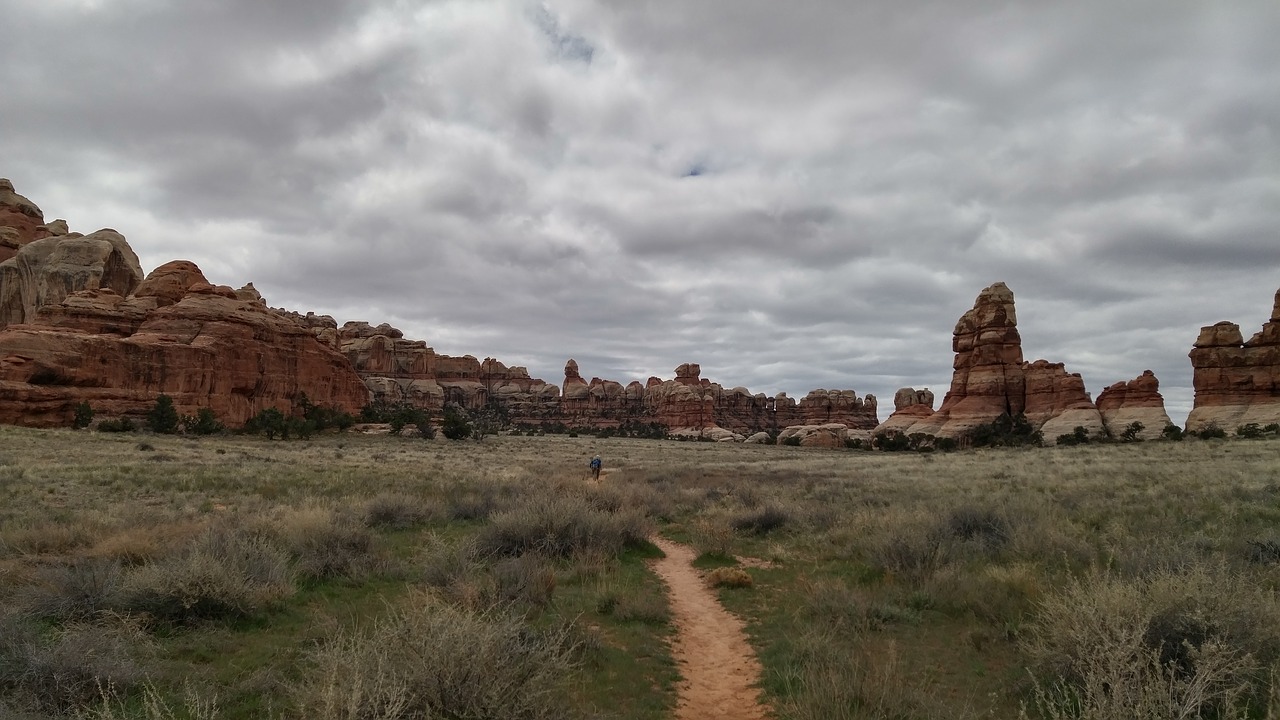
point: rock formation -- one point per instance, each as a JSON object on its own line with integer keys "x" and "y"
{"x": 910, "y": 406}
{"x": 21, "y": 221}
{"x": 178, "y": 335}
{"x": 990, "y": 379}
{"x": 1137, "y": 400}
{"x": 1236, "y": 381}
{"x": 1056, "y": 401}
{"x": 45, "y": 271}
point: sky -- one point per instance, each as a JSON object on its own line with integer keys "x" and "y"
{"x": 795, "y": 195}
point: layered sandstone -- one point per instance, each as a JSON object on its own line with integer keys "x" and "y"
{"x": 988, "y": 378}
{"x": 196, "y": 342}
{"x": 21, "y": 221}
{"x": 1236, "y": 381}
{"x": 1056, "y": 401}
{"x": 910, "y": 406}
{"x": 1138, "y": 400}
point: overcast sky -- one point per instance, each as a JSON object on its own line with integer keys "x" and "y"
{"x": 793, "y": 194}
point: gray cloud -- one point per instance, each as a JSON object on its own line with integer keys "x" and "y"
{"x": 794, "y": 197}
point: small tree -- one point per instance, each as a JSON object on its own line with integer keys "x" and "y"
{"x": 1130, "y": 433}
{"x": 1171, "y": 432}
{"x": 456, "y": 426}
{"x": 204, "y": 423}
{"x": 163, "y": 418}
{"x": 83, "y": 416}
{"x": 269, "y": 422}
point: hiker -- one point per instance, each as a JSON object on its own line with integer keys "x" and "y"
{"x": 595, "y": 467}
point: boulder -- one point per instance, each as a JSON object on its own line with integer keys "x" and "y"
{"x": 21, "y": 222}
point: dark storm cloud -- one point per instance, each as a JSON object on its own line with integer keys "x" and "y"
{"x": 794, "y": 195}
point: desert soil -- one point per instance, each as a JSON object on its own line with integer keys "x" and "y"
{"x": 719, "y": 669}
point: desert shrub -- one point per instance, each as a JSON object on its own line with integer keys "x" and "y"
{"x": 1131, "y": 432}
{"x": 558, "y": 526}
{"x": 434, "y": 660}
{"x": 83, "y": 416}
{"x": 1171, "y": 432}
{"x": 456, "y": 425}
{"x": 444, "y": 563}
{"x": 526, "y": 580}
{"x": 1170, "y": 644}
{"x": 395, "y": 511}
{"x": 1263, "y": 552}
{"x": 269, "y": 421}
{"x": 75, "y": 591}
{"x": 853, "y": 443}
{"x": 1005, "y": 431}
{"x": 1078, "y": 436}
{"x": 204, "y": 423}
{"x": 1211, "y": 432}
{"x": 325, "y": 544}
{"x": 119, "y": 425}
{"x": 791, "y": 441}
{"x": 71, "y": 669}
{"x": 891, "y": 441}
{"x": 714, "y": 537}
{"x": 729, "y": 577}
{"x": 163, "y": 418}
{"x": 980, "y": 524}
{"x": 629, "y": 603}
{"x": 1250, "y": 431}
{"x": 760, "y": 520}
{"x": 471, "y": 503}
{"x": 222, "y": 573}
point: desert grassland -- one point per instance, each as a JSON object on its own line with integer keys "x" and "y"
{"x": 381, "y": 577}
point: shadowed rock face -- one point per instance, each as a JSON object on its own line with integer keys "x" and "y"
{"x": 1236, "y": 381}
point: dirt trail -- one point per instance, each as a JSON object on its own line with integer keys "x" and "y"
{"x": 719, "y": 668}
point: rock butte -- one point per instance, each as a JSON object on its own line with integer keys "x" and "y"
{"x": 991, "y": 378}
{"x": 1236, "y": 381}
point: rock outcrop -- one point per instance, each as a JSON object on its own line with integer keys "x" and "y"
{"x": 1236, "y": 381}
{"x": 990, "y": 379}
{"x": 21, "y": 221}
{"x": 1057, "y": 403}
{"x": 45, "y": 271}
{"x": 1138, "y": 400}
{"x": 196, "y": 342}
{"x": 910, "y": 406}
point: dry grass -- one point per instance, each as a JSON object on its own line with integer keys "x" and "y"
{"x": 948, "y": 581}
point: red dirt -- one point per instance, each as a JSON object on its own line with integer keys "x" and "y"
{"x": 720, "y": 669}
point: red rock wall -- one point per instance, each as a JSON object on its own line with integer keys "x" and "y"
{"x": 1236, "y": 381}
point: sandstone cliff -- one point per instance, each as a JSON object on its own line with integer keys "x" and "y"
{"x": 910, "y": 406}
{"x": 1236, "y": 381}
{"x": 178, "y": 335}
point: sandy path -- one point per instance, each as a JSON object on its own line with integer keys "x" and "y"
{"x": 719, "y": 668}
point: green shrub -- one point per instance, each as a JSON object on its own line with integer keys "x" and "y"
{"x": 986, "y": 526}
{"x": 791, "y": 441}
{"x": 1006, "y": 431}
{"x": 456, "y": 426}
{"x": 1132, "y": 431}
{"x": 891, "y": 441}
{"x": 1250, "y": 431}
{"x": 83, "y": 416}
{"x": 163, "y": 418}
{"x": 270, "y": 422}
{"x": 1078, "y": 436}
{"x": 1171, "y": 432}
